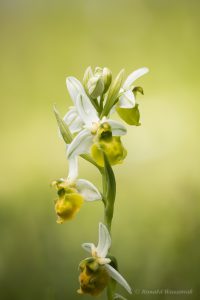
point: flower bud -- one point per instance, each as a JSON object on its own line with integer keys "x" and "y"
{"x": 110, "y": 145}
{"x": 69, "y": 201}
{"x": 95, "y": 86}
{"x": 93, "y": 277}
{"x": 107, "y": 78}
{"x": 98, "y": 83}
{"x": 87, "y": 75}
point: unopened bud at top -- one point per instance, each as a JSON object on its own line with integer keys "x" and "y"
{"x": 95, "y": 86}
{"x": 107, "y": 78}
{"x": 98, "y": 82}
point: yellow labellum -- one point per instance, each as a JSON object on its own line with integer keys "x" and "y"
{"x": 93, "y": 280}
{"x": 113, "y": 148}
{"x": 67, "y": 206}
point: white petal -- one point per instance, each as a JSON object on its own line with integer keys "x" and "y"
{"x": 103, "y": 261}
{"x": 74, "y": 87}
{"x": 73, "y": 120}
{"x": 89, "y": 247}
{"x": 88, "y": 190}
{"x": 133, "y": 76}
{"x": 104, "y": 241}
{"x": 118, "y": 296}
{"x": 117, "y": 128}
{"x": 127, "y": 100}
{"x": 86, "y": 110}
{"x": 118, "y": 277}
{"x": 73, "y": 169}
{"x": 80, "y": 144}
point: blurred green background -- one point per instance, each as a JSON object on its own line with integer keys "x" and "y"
{"x": 156, "y": 227}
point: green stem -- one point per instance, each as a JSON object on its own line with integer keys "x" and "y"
{"x": 89, "y": 159}
{"x": 101, "y": 103}
{"x": 95, "y": 104}
{"x": 108, "y": 207}
{"x": 110, "y": 292}
{"x": 107, "y": 220}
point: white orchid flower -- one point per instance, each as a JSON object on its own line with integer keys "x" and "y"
{"x": 100, "y": 252}
{"x": 72, "y": 192}
{"x": 88, "y": 115}
{"x": 127, "y": 99}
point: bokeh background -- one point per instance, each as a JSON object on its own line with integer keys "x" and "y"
{"x": 156, "y": 227}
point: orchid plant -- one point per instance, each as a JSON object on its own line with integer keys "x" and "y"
{"x": 88, "y": 131}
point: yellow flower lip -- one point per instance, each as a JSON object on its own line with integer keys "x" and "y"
{"x": 112, "y": 147}
{"x": 69, "y": 200}
{"x": 67, "y": 206}
{"x": 93, "y": 277}
{"x": 71, "y": 196}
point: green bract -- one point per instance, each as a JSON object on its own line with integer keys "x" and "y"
{"x": 113, "y": 93}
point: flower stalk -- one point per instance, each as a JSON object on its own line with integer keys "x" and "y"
{"x": 109, "y": 192}
{"x": 89, "y": 132}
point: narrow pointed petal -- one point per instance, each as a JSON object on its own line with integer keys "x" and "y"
{"x": 117, "y": 128}
{"x": 118, "y": 296}
{"x": 127, "y": 100}
{"x": 80, "y": 144}
{"x": 133, "y": 76}
{"x": 89, "y": 247}
{"x": 86, "y": 110}
{"x": 118, "y": 277}
{"x": 88, "y": 190}
{"x": 73, "y": 169}
{"x": 74, "y": 87}
{"x": 73, "y": 120}
{"x": 104, "y": 241}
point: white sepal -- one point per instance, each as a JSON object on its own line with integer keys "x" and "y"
{"x": 73, "y": 120}
{"x": 104, "y": 241}
{"x": 118, "y": 296}
{"x": 89, "y": 247}
{"x": 118, "y": 277}
{"x": 133, "y": 76}
{"x": 80, "y": 144}
{"x": 88, "y": 190}
{"x": 74, "y": 87}
{"x": 86, "y": 110}
{"x": 127, "y": 100}
{"x": 73, "y": 169}
{"x": 117, "y": 128}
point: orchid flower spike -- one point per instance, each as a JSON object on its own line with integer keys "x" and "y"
{"x": 72, "y": 192}
{"x": 96, "y": 271}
